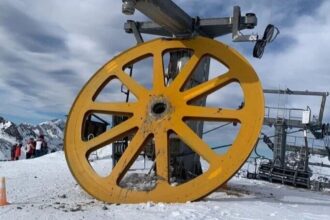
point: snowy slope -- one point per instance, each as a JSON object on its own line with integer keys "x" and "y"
{"x": 43, "y": 188}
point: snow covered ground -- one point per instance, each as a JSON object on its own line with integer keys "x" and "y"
{"x": 43, "y": 188}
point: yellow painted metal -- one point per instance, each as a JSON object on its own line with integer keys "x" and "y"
{"x": 143, "y": 123}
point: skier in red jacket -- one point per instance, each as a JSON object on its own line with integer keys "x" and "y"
{"x": 18, "y": 151}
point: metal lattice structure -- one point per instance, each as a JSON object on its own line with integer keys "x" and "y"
{"x": 278, "y": 169}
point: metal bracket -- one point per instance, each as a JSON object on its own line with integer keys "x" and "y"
{"x": 128, "y": 7}
{"x": 132, "y": 27}
{"x": 236, "y": 23}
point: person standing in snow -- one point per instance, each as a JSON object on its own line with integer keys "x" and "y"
{"x": 18, "y": 151}
{"x": 34, "y": 143}
{"x": 38, "y": 146}
{"x": 13, "y": 150}
{"x": 44, "y": 146}
{"x": 30, "y": 148}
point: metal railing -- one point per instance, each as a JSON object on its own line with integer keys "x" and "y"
{"x": 290, "y": 113}
{"x": 299, "y": 141}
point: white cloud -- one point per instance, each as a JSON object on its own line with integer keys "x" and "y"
{"x": 92, "y": 32}
{"x": 86, "y": 28}
{"x": 302, "y": 64}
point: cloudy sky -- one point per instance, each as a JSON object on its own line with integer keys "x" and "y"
{"x": 49, "y": 49}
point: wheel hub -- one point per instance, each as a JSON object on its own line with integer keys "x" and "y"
{"x": 159, "y": 107}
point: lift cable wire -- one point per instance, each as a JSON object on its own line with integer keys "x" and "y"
{"x": 215, "y": 128}
{"x": 256, "y": 152}
{"x": 256, "y": 145}
{"x": 228, "y": 145}
{"x": 213, "y": 148}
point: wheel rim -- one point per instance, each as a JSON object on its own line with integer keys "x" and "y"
{"x": 158, "y": 111}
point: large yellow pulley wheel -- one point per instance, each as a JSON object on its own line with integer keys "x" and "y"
{"x": 161, "y": 110}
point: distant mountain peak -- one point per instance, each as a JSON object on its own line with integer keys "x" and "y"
{"x": 11, "y": 133}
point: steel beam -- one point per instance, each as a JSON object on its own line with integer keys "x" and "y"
{"x": 210, "y": 27}
{"x": 168, "y": 19}
{"x": 324, "y": 98}
{"x": 168, "y": 15}
{"x": 295, "y": 92}
{"x": 133, "y": 26}
{"x": 148, "y": 27}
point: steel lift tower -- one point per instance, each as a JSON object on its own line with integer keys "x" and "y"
{"x": 278, "y": 170}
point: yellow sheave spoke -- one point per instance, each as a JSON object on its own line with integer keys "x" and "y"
{"x": 213, "y": 114}
{"x": 138, "y": 90}
{"x": 195, "y": 143}
{"x": 158, "y": 71}
{"x": 128, "y": 157}
{"x": 109, "y": 136}
{"x": 208, "y": 87}
{"x": 162, "y": 158}
{"x": 121, "y": 108}
{"x": 187, "y": 70}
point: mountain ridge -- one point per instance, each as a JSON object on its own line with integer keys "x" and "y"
{"x": 11, "y": 133}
